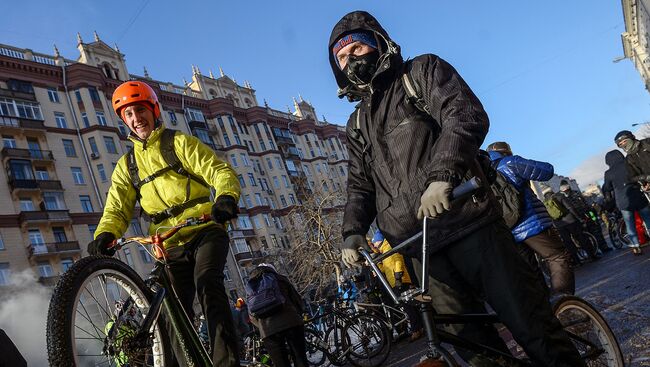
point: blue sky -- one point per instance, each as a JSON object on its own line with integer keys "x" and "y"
{"x": 543, "y": 70}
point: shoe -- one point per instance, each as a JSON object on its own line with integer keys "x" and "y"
{"x": 637, "y": 251}
{"x": 416, "y": 335}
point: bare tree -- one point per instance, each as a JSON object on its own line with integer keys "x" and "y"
{"x": 313, "y": 260}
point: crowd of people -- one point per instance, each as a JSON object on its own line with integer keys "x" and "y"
{"x": 414, "y": 135}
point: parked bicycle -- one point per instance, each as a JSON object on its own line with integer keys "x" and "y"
{"x": 586, "y": 328}
{"x": 86, "y": 328}
{"x": 394, "y": 317}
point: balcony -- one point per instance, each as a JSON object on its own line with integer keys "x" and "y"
{"x": 249, "y": 256}
{"x": 194, "y": 124}
{"x": 49, "y": 281}
{"x": 17, "y": 123}
{"x": 284, "y": 140}
{"x": 242, "y": 233}
{"x": 33, "y": 154}
{"x": 34, "y": 185}
{"x": 19, "y": 95}
{"x": 44, "y": 216}
{"x": 55, "y": 248}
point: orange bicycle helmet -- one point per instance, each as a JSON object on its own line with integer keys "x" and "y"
{"x": 132, "y": 92}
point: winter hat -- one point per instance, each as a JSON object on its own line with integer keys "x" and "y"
{"x": 624, "y": 134}
{"x": 366, "y": 37}
{"x": 564, "y": 182}
{"x": 377, "y": 237}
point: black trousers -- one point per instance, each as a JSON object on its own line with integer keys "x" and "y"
{"x": 574, "y": 230}
{"x": 196, "y": 269}
{"x": 285, "y": 343}
{"x": 549, "y": 246}
{"x": 487, "y": 263}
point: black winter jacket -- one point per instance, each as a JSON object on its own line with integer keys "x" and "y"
{"x": 575, "y": 205}
{"x": 638, "y": 162}
{"x": 396, "y": 150}
{"x": 627, "y": 194}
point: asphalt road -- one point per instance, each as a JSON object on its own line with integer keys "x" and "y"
{"x": 618, "y": 285}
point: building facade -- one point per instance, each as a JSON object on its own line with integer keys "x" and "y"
{"x": 61, "y": 141}
{"x": 636, "y": 14}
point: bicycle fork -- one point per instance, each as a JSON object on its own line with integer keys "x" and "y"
{"x": 434, "y": 349}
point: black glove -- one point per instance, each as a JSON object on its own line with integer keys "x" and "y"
{"x": 350, "y": 250}
{"x": 224, "y": 209}
{"x": 100, "y": 245}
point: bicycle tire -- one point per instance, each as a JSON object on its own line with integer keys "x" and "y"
{"x": 580, "y": 318}
{"x": 615, "y": 236}
{"x": 316, "y": 355}
{"x": 370, "y": 341}
{"x": 336, "y": 348}
{"x": 62, "y": 345}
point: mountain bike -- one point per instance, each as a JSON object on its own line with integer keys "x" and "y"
{"x": 586, "y": 328}
{"x": 103, "y": 313}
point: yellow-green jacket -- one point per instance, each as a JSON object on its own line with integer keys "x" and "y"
{"x": 168, "y": 189}
{"x": 393, "y": 264}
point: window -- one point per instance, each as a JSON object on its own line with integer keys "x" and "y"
{"x": 251, "y": 179}
{"x": 53, "y": 200}
{"x": 66, "y": 263}
{"x": 286, "y": 181}
{"x": 5, "y": 274}
{"x": 342, "y": 170}
{"x": 203, "y": 135}
{"x": 94, "y": 96}
{"x": 283, "y": 201}
{"x": 194, "y": 115}
{"x": 68, "y": 146}
{"x": 84, "y": 117}
{"x": 21, "y": 169}
{"x": 243, "y": 222}
{"x": 60, "y": 120}
{"x": 247, "y": 200}
{"x": 24, "y": 109}
{"x": 292, "y": 199}
{"x": 92, "y": 228}
{"x": 86, "y": 205}
{"x": 242, "y": 183}
{"x": 256, "y": 222}
{"x": 265, "y": 184}
{"x": 276, "y": 182}
{"x": 241, "y": 245}
{"x": 226, "y": 274}
{"x": 93, "y": 146}
{"x": 128, "y": 256}
{"x": 226, "y": 139}
{"x": 278, "y": 162}
{"x": 269, "y": 163}
{"x": 42, "y": 174}
{"x": 325, "y": 187}
{"x": 77, "y": 176}
{"x": 59, "y": 234}
{"x": 77, "y": 94}
{"x": 2, "y": 243}
{"x": 53, "y": 94}
{"x": 20, "y": 86}
{"x": 35, "y": 237}
{"x": 172, "y": 117}
{"x": 8, "y": 141}
{"x": 272, "y": 144}
{"x": 110, "y": 145}
{"x": 233, "y": 160}
{"x": 244, "y": 159}
{"x": 262, "y": 145}
{"x": 123, "y": 130}
{"x": 44, "y": 269}
{"x": 237, "y": 140}
{"x": 137, "y": 229}
{"x": 101, "y": 119}
{"x": 26, "y": 205}
{"x": 102, "y": 172}
{"x": 258, "y": 199}
{"x": 144, "y": 255}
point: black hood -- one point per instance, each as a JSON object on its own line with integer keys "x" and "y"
{"x": 614, "y": 157}
{"x": 389, "y": 51}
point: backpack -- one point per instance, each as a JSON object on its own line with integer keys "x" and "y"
{"x": 263, "y": 295}
{"x": 555, "y": 209}
{"x": 174, "y": 164}
{"x": 509, "y": 197}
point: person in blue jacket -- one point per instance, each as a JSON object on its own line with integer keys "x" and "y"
{"x": 535, "y": 228}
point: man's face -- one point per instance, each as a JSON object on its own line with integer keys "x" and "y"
{"x": 139, "y": 119}
{"x": 355, "y": 48}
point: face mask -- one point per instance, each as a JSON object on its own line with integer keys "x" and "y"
{"x": 565, "y": 187}
{"x": 629, "y": 145}
{"x": 361, "y": 69}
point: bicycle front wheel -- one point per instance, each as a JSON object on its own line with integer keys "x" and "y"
{"x": 589, "y": 332}
{"x": 316, "y": 347}
{"x": 95, "y": 313}
{"x": 370, "y": 340}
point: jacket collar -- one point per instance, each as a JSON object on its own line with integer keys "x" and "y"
{"x": 142, "y": 144}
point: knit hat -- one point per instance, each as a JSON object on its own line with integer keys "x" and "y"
{"x": 366, "y": 37}
{"x": 377, "y": 237}
{"x": 624, "y": 134}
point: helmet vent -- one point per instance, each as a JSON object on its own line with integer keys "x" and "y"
{"x": 135, "y": 95}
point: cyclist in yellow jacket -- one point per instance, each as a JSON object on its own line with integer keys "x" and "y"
{"x": 170, "y": 192}
{"x": 398, "y": 277}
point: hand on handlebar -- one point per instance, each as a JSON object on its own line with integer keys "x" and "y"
{"x": 435, "y": 200}
{"x": 99, "y": 246}
{"x": 350, "y": 250}
{"x": 224, "y": 209}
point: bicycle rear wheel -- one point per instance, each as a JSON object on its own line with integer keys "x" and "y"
{"x": 316, "y": 348}
{"x": 370, "y": 340}
{"x": 94, "y": 314}
{"x": 589, "y": 332}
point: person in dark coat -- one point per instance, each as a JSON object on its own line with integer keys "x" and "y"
{"x": 403, "y": 166}
{"x": 637, "y": 159}
{"x": 627, "y": 195}
{"x": 535, "y": 228}
{"x": 283, "y": 332}
{"x": 572, "y": 224}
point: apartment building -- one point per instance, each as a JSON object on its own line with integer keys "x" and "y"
{"x": 61, "y": 141}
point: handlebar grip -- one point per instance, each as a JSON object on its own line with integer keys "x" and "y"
{"x": 466, "y": 188}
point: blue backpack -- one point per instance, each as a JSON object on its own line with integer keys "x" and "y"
{"x": 263, "y": 295}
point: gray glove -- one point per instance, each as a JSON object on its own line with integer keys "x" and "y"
{"x": 435, "y": 199}
{"x": 350, "y": 250}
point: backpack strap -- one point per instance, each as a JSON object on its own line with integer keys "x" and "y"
{"x": 413, "y": 95}
{"x": 168, "y": 153}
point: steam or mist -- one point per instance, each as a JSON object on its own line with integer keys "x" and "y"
{"x": 23, "y": 314}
